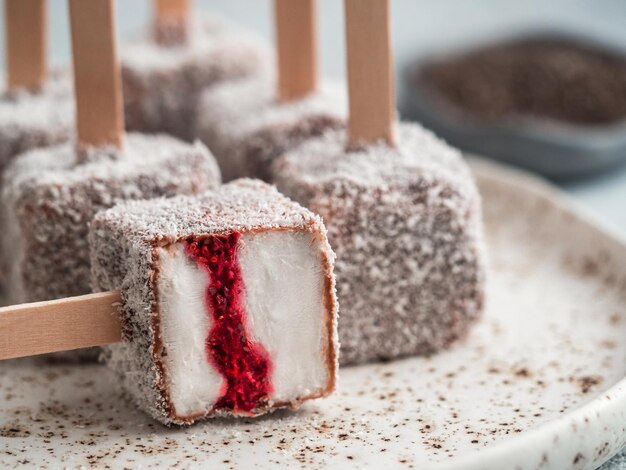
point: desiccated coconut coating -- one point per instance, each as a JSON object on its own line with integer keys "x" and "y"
{"x": 162, "y": 84}
{"x": 124, "y": 244}
{"x": 49, "y": 198}
{"x": 246, "y": 127}
{"x": 33, "y": 119}
{"x": 406, "y": 226}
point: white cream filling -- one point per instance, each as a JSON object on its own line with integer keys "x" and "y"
{"x": 193, "y": 382}
{"x": 283, "y": 295}
{"x": 284, "y": 287}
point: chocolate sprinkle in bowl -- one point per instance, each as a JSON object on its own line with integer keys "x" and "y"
{"x": 549, "y": 101}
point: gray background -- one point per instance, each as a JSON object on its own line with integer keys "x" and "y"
{"x": 421, "y": 26}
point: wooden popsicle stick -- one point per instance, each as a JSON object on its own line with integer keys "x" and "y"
{"x": 59, "y": 325}
{"x": 26, "y": 41}
{"x": 97, "y": 80}
{"x": 168, "y": 9}
{"x": 170, "y": 21}
{"x": 370, "y": 72}
{"x": 297, "y": 48}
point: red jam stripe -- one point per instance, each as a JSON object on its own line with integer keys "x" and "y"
{"x": 244, "y": 364}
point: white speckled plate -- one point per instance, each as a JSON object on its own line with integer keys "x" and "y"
{"x": 538, "y": 384}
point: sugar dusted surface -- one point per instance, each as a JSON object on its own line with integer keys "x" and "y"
{"x": 406, "y": 225}
{"x": 141, "y": 155}
{"x": 417, "y": 150}
{"x": 244, "y": 205}
{"x": 122, "y": 251}
{"x": 247, "y": 127}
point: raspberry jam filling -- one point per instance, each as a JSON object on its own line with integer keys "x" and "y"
{"x": 244, "y": 364}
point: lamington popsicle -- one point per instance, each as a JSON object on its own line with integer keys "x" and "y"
{"x": 164, "y": 73}
{"x": 402, "y": 210}
{"x": 228, "y": 302}
{"x": 36, "y": 108}
{"x": 222, "y": 304}
{"x": 50, "y": 195}
{"x": 247, "y": 124}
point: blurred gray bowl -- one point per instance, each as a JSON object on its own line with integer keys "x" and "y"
{"x": 554, "y": 149}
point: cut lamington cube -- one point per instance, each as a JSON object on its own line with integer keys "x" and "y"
{"x": 405, "y": 222}
{"x": 229, "y": 303}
